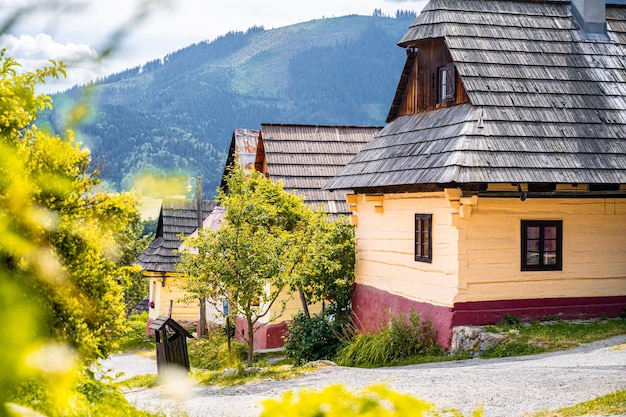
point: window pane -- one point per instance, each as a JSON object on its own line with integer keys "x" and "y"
{"x": 444, "y": 82}
{"x": 532, "y": 258}
{"x": 532, "y": 245}
{"x": 549, "y": 258}
{"x": 549, "y": 246}
{"x": 549, "y": 232}
{"x": 532, "y": 232}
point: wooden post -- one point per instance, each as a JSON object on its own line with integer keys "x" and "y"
{"x": 230, "y": 356}
{"x": 202, "y": 321}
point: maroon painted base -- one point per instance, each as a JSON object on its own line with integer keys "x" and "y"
{"x": 267, "y": 336}
{"x": 373, "y": 307}
{"x": 149, "y": 331}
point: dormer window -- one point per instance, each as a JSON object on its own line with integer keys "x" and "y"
{"x": 447, "y": 90}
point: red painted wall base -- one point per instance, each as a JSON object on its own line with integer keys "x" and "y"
{"x": 267, "y": 336}
{"x": 373, "y": 307}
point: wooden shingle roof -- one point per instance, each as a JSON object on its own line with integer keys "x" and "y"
{"x": 178, "y": 216}
{"x": 305, "y": 157}
{"x": 546, "y": 104}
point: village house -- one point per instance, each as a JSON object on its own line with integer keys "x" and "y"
{"x": 498, "y": 185}
{"x": 158, "y": 262}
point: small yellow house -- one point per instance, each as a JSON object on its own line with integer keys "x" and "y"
{"x": 158, "y": 262}
{"x": 498, "y": 185}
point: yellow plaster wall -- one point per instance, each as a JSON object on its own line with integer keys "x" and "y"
{"x": 385, "y": 246}
{"x": 594, "y": 249}
{"x": 477, "y": 247}
{"x": 174, "y": 290}
{"x": 171, "y": 291}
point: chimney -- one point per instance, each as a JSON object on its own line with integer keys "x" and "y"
{"x": 590, "y": 15}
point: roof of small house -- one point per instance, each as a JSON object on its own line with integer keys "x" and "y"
{"x": 178, "y": 216}
{"x": 305, "y": 157}
{"x": 547, "y": 104}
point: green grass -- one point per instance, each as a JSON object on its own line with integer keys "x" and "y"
{"x": 551, "y": 336}
{"x": 274, "y": 373}
{"x": 135, "y": 339}
{"x": 610, "y": 404}
{"x": 139, "y": 381}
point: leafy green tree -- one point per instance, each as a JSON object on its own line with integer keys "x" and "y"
{"x": 61, "y": 279}
{"x": 323, "y": 268}
{"x": 246, "y": 261}
{"x": 269, "y": 243}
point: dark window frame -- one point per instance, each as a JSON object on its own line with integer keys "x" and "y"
{"x": 540, "y": 253}
{"x": 446, "y": 86}
{"x": 423, "y": 238}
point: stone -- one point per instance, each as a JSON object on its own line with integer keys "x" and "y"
{"x": 474, "y": 340}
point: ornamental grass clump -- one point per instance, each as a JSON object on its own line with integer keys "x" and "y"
{"x": 401, "y": 339}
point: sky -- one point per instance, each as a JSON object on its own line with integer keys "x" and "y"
{"x": 79, "y": 32}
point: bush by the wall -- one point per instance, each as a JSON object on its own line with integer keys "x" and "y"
{"x": 312, "y": 338}
{"x": 400, "y": 339}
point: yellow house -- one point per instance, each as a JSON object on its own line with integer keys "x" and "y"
{"x": 158, "y": 262}
{"x": 498, "y": 185}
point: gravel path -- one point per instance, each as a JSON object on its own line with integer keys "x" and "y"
{"x": 507, "y": 387}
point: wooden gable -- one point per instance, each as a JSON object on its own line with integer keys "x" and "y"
{"x": 421, "y": 89}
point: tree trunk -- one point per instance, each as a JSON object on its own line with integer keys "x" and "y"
{"x": 305, "y": 307}
{"x": 250, "y": 340}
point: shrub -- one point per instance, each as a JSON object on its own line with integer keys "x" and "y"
{"x": 311, "y": 338}
{"x": 87, "y": 397}
{"x": 511, "y": 319}
{"x": 211, "y": 352}
{"x": 399, "y": 340}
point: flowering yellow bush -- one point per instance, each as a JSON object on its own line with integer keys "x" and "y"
{"x": 336, "y": 401}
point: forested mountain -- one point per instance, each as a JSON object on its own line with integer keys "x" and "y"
{"x": 175, "y": 116}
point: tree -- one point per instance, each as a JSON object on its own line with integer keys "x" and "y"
{"x": 270, "y": 242}
{"x": 323, "y": 269}
{"x": 61, "y": 282}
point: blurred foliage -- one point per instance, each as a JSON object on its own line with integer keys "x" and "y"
{"x": 88, "y": 396}
{"x": 63, "y": 275}
{"x": 336, "y": 401}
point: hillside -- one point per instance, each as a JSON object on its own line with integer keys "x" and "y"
{"x": 175, "y": 116}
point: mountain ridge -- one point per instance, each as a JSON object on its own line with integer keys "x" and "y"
{"x": 175, "y": 116}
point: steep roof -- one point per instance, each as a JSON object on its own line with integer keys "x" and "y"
{"x": 178, "y": 216}
{"x": 305, "y": 157}
{"x": 546, "y": 105}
